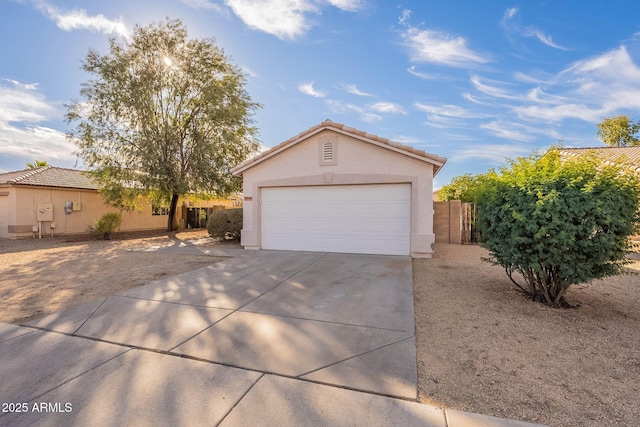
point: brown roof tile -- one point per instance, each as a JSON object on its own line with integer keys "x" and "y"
{"x": 50, "y": 176}
{"x": 628, "y": 156}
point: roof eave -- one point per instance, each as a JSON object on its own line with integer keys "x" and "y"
{"x": 437, "y": 161}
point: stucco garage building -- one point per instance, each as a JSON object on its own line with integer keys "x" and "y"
{"x": 333, "y": 188}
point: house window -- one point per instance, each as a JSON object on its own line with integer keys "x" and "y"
{"x": 159, "y": 210}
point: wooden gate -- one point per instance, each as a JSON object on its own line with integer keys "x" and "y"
{"x": 468, "y": 217}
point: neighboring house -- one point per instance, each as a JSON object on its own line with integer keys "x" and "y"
{"x": 51, "y": 200}
{"x": 626, "y": 156}
{"x": 333, "y": 188}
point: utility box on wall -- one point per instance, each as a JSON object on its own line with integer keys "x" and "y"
{"x": 44, "y": 212}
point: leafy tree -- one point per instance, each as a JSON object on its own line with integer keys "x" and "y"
{"x": 163, "y": 115}
{"x": 558, "y": 221}
{"x": 466, "y": 188}
{"x": 37, "y": 164}
{"x": 618, "y": 131}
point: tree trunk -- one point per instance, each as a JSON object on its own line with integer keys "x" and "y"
{"x": 171, "y": 221}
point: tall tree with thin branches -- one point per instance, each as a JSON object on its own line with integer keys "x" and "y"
{"x": 163, "y": 115}
{"x": 619, "y": 131}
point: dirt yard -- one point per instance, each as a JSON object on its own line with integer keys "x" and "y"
{"x": 484, "y": 347}
{"x": 43, "y": 276}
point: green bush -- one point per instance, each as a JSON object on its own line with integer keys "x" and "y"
{"x": 225, "y": 224}
{"x": 465, "y": 187}
{"x": 108, "y": 223}
{"x": 558, "y": 221}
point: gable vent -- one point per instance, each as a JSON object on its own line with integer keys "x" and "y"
{"x": 327, "y": 151}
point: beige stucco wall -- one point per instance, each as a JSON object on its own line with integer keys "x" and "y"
{"x": 18, "y": 211}
{"x": 358, "y": 162}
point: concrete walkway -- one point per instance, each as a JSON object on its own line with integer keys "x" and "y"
{"x": 263, "y": 338}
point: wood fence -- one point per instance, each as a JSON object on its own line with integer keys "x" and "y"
{"x": 454, "y": 222}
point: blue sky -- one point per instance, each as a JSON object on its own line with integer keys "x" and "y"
{"x": 472, "y": 81}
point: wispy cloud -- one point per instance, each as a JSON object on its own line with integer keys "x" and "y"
{"x": 285, "y": 19}
{"x": 404, "y": 17}
{"x": 514, "y": 30}
{"x": 387, "y": 108}
{"x": 348, "y": 5}
{"x": 589, "y": 90}
{"x": 447, "y": 110}
{"x": 496, "y": 154}
{"x": 369, "y": 112}
{"x": 440, "y": 48}
{"x": 79, "y": 19}
{"x": 22, "y": 110}
{"x": 425, "y": 76}
{"x": 308, "y": 89}
{"x": 20, "y": 102}
{"x": 202, "y": 4}
{"x": 510, "y": 131}
{"x": 492, "y": 88}
{"x": 248, "y": 71}
{"x": 339, "y": 107}
{"x": 353, "y": 89}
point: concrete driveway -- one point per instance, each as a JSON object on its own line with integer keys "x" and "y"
{"x": 263, "y": 338}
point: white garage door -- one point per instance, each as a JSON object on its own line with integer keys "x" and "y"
{"x": 370, "y": 219}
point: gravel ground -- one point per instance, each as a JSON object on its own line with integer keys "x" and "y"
{"x": 484, "y": 347}
{"x": 44, "y": 276}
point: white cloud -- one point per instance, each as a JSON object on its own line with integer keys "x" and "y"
{"x": 308, "y": 89}
{"x": 413, "y": 70}
{"x": 285, "y": 19}
{"x": 21, "y": 103}
{"x": 22, "y": 109}
{"x": 404, "y": 17}
{"x": 510, "y": 13}
{"x": 511, "y": 131}
{"x": 202, "y": 4}
{"x": 446, "y": 110}
{"x": 248, "y": 71}
{"x": 440, "y": 48}
{"x": 353, "y": 89}
{"x": 79, "y": 19}
{"x": 494, "y": 153}
{"x": 339, "y": 107}
{"x": 589, "y": 90}
{"x": 368, "y": 113}
{"x": 387, "y": 107}
{"x": 493, "y": 89}
{"x": 514, "y": 30}
{"x": 347, "y": 5}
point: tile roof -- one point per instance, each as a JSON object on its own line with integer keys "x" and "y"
{"x": 437, "y": 161}
{"x": 627, "y": 156}
{"x": 50, "y": 176}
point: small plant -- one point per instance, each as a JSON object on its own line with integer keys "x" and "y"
{"x": 225, "y": 224}
{"x": 108, "y": 223}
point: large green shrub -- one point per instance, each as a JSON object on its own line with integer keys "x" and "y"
{"x": 558, "y": 221}
{"x": 225, "y": 224}
{"x": 108, "y": 223}
{"x": 466, "y": 188}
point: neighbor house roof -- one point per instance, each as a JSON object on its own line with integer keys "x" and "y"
{"x": 626, "y": 156}
{"x": 435, "y": 160}
{"x": 49, "y": 176}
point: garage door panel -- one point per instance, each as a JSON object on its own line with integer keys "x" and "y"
{"x": 353, "y": 219}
